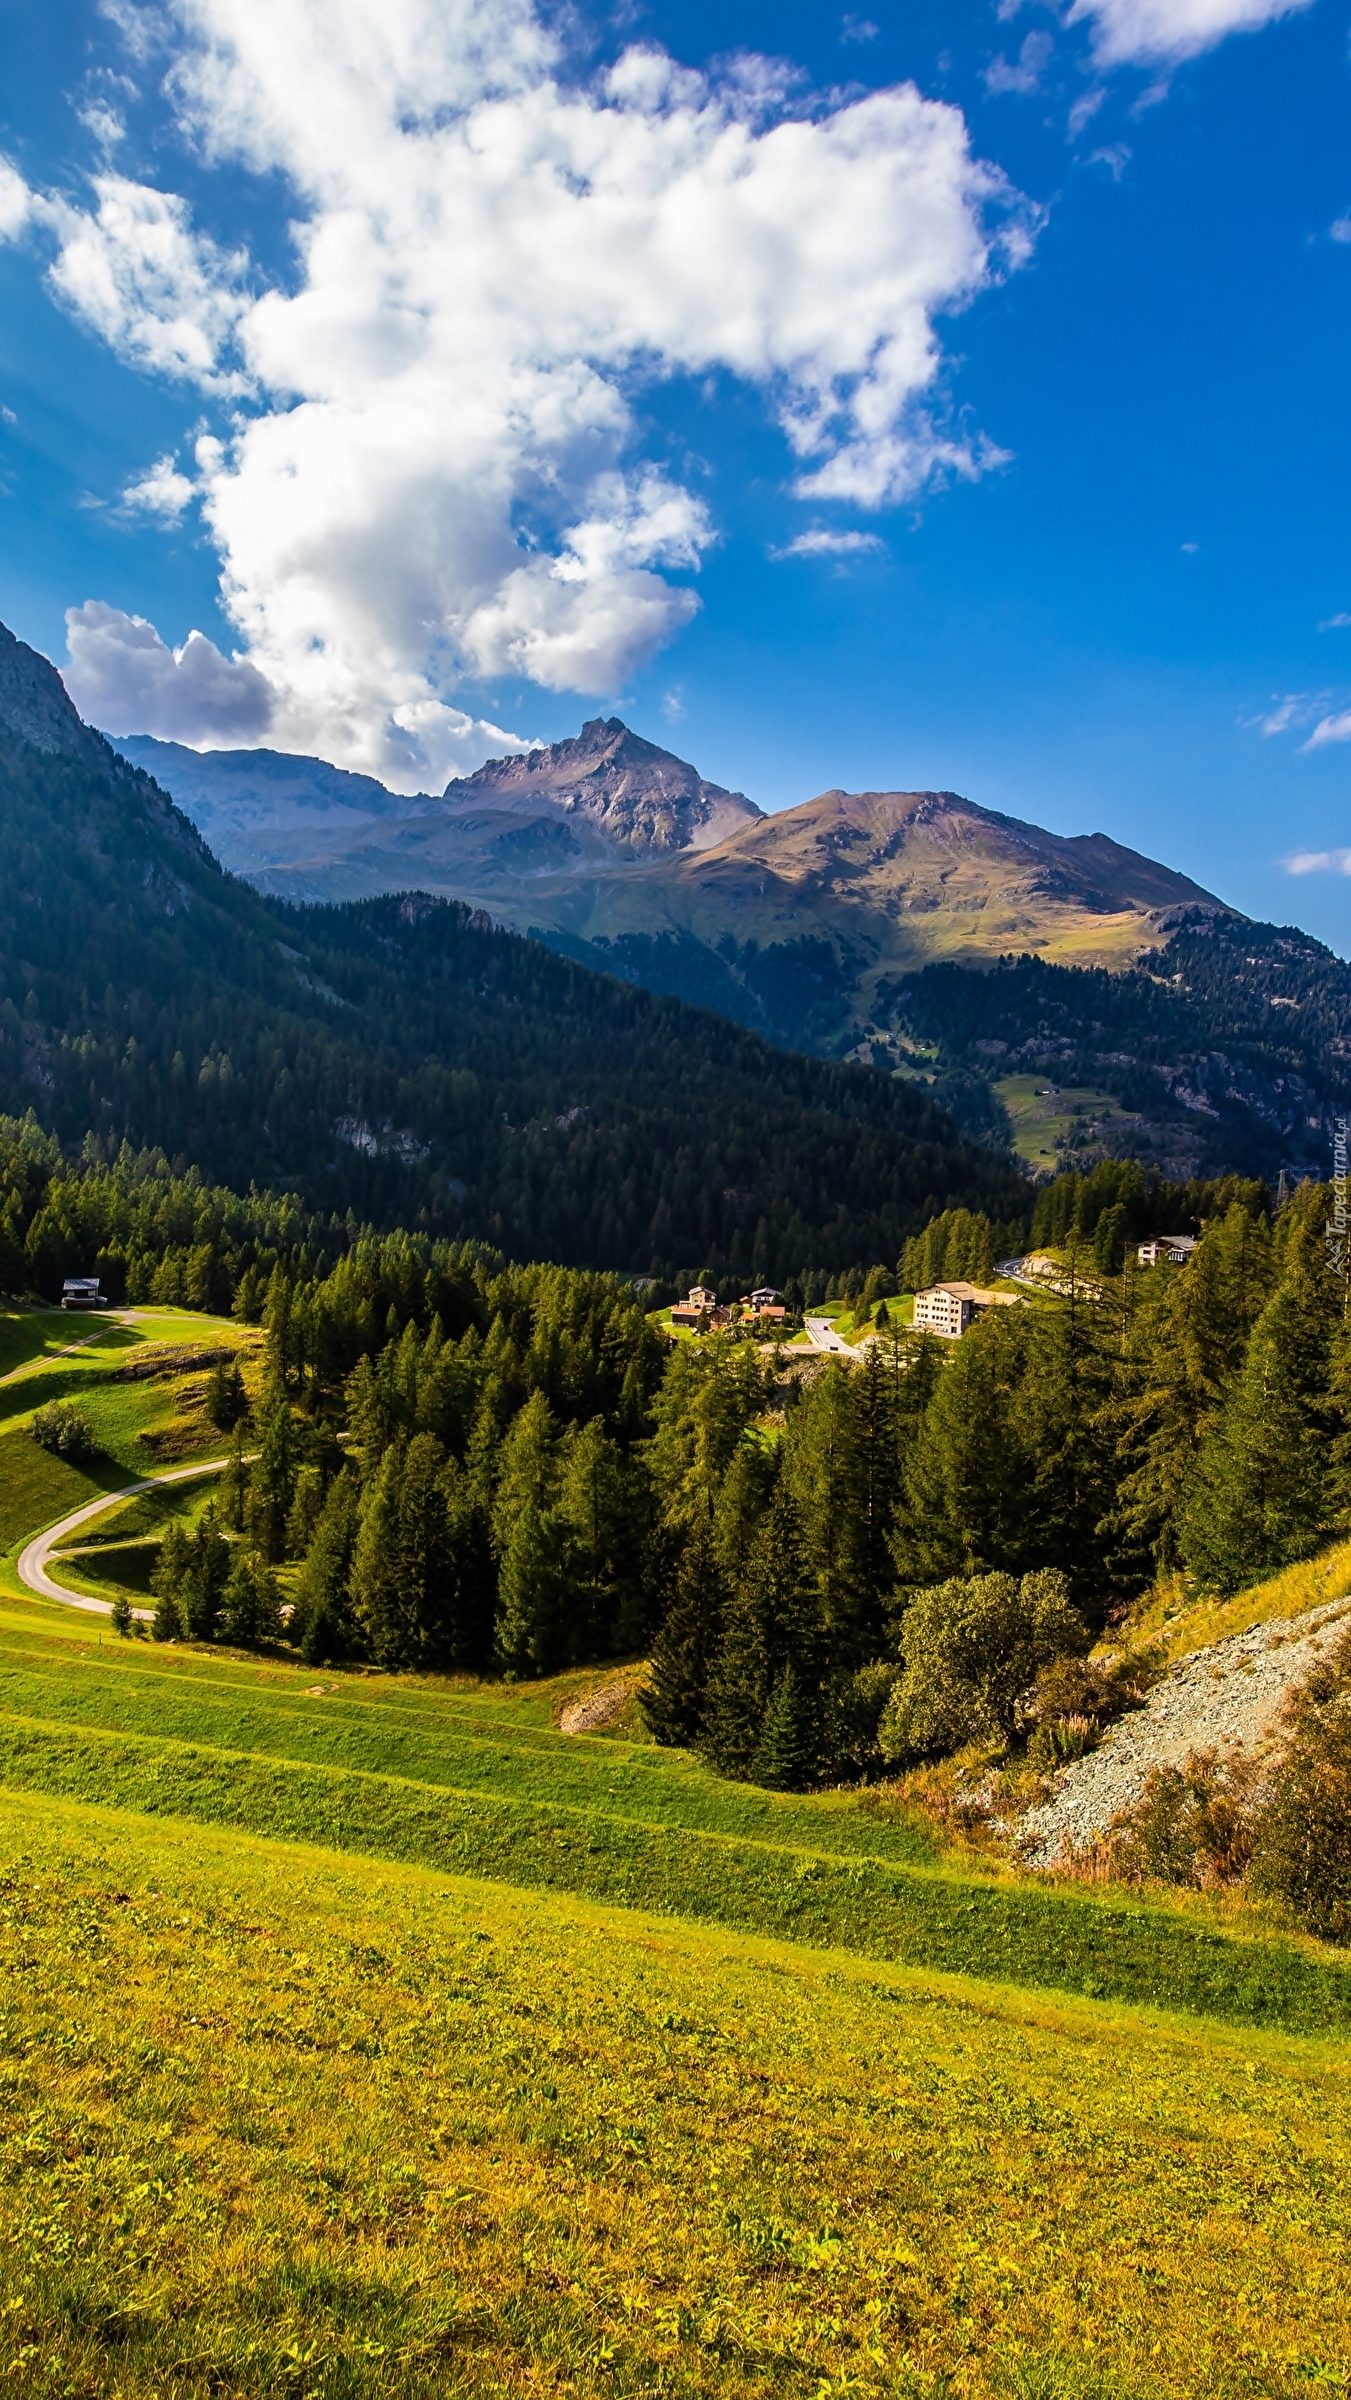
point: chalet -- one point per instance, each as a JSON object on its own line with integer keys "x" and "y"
{"x": 948, "y": 1308}
{"x": 1175, "y": 1248}
{"x": 701, "y": 1303}
{"x": 766, "y": 1297}
{"x": 82, "y": 1291}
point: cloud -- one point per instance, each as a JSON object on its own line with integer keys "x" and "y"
{"x": 1152, "y": 32}
{"x": 161, "y": 491}
{"x": 16, "y": 202}
{"x": 1335, "y": 728}
{"x": 1340, "y": 229}
{"x": 1318, "y": 862}
{"x": 439, "y": 462}
{"x": 859, "y": 29}
{"x": 1293, "y": 709}
{"x": 1335, "y": 624}
{"x": 1084, "y": 110}
{"x": 124, "y": 679}
{"x": 1024, "y": 75}
{"x": 820, "y": 542}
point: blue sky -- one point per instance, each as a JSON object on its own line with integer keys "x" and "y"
{"x": 470, "y": 373}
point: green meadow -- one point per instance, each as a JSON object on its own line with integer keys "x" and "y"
{"x": 363, "y": 2035}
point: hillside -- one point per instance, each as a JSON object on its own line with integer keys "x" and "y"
{"x": 405, "y": 1059}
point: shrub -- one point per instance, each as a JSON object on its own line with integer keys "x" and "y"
{"x": 1191, "y": 1825}
{"x": 65, "y": 1430}
{"x": 1302, "y": 1838}
{"x": 971, "y": 1648}
{"x": 1074, "y": 1698}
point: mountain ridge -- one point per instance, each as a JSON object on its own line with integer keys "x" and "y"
{"x": 401, "y": 1061}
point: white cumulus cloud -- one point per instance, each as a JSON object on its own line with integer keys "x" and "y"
{"x": 1163, "y": 32}
{"x": 161, "y": 491}
{"x": 438, "y": 465}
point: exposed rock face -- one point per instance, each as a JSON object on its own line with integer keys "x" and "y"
{"x": 641, "y": 796}
{"x": 35, "y": 706}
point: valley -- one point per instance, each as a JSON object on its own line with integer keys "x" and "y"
{"x": 877, "y": 927}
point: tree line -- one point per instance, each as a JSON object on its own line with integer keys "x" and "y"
{"x": 478, "y": 1468}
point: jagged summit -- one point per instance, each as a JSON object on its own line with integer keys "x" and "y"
{"x": 35, "y": 706}
{"x": 629, "y": 789}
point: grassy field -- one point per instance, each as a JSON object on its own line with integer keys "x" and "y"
{"x": 1042, "y": 1118}
{"x": 363, "y": 2036}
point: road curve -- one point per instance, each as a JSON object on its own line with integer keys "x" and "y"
{"x": 32, "y": 1567}
{"x": 822, "y": 1336}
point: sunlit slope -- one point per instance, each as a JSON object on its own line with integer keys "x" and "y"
{"x": 902, "y": 878}
{"x": 459, "y": 1780}
{"x": 280, "y": 2122}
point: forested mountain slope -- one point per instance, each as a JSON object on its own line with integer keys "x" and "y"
{"x": 405, "y": 1059}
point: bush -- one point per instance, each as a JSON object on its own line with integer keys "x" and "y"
{"x": 1191, "y": 1825}
{"x": 65, "y": 1430}
{"x": 971, "y": 1648}
{"x": 1074, "y": 1698}
{"x": 1302, "y": 1838}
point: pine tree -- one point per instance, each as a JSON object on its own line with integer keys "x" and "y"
{"x": 322, "y": 1619}
{"x": 596, "y": 1508}
{"x": 526, "y": 1468}
{"x": 121, "y": 1615}
{"x": 167, "y": 1581}
{"x": 967, "y": 1474}
{"x": 1263, "y": 1494}
{"x": 226, "y": 1401}
{"x": 273, "y": 1478}
{"x": 251, "y": 1602}
{"x": 203, "y": 1587}
{"x": 376, "y": 1583}
{"x": 772, "y": 1621}
{"x": 424, "y": 1561}
{"x": 233, "y": 1487}
{"x": 530, "y": 1633}
{"x": 787, "y": 1755}
{"x": 672, "y": 1703}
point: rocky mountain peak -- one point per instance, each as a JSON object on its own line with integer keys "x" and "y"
{"x": 35, "y": 706}
{"x": 642, "y": 797}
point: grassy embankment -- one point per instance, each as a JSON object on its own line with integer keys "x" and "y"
{"x": 364, "y": 2036}
{"x": 1044, "y": 1118}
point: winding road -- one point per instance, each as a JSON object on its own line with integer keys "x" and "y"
{"x": 32, "y": 1569}
{"x": 822, "y": 1336}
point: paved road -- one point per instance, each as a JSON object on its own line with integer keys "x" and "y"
{"x": 33, "y": 1570}
{"x": 822, "y": 1336}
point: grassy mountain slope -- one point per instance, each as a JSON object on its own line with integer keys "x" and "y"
{"x": 406, "y": 1059}
{"x": 282, "y": 2120}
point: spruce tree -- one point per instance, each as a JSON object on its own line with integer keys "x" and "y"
{"x": 772, "y": 1621}
{"x": 121, "y": 1615}
{"x": 787, "y": 1755}
{"x": 322, "y": 1618}
{"x": 376, "y": 1578}
{"x": 251, "y": 1603}
{"x": 225, "y": 1401}
{"x": 424, "y": 1560}
{"x": 167, "y": 1580}
{"x": 531, "y": 1637}
{"x": 672, "y": 1703}
{"x": 1263, "y": 1492}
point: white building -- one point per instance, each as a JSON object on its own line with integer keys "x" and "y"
{"x": 1175, "y": 1248}
{"x": 948, "y": 1308}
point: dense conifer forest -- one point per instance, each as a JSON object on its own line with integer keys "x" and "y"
{"x": 403, "y": 1059}
{"x": 454, "y": 1462}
